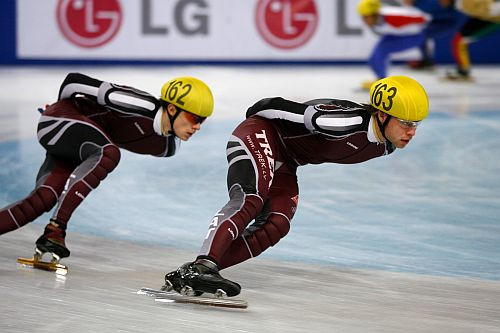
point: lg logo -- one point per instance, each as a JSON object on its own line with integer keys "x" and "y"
{"x": 89, "y": 23}
{"x": 286, "y": 24}
{"x": 93, "y": 23}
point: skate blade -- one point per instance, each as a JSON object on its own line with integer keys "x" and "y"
{"x": 44, "y": 265}
{"x": 457, "y": 79}
{"x": 173, "y": 297}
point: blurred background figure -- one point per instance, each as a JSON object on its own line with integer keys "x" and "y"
{"x": 484, "y": 19}
{"x": 446, "y": 20}
{"x": 400, "y": 29}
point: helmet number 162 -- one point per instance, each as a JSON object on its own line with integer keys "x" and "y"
{"x": 177, "y": 92}
{"x": 386, "y": 99}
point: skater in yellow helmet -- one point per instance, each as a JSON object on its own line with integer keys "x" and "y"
{"x": 190, "y": 95}
{"x": 263, "y": 154}
{"x": 369, "y": 7}
{"x": 83, "y": 134}
{"x": 402, "y": 104}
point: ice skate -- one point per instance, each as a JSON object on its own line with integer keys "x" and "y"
{"x": 459, "y": 76}
{"x": 421, "y": 64}
{"x": 201, "y": 276}
{"x": 52, "y": 242}
{"x": 173, "y": 297}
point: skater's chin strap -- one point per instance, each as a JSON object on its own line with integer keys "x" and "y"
{"x": 383, "y": 125}
{"x": 171, "y": 118}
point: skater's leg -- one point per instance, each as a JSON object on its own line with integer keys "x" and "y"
{"x": 50, "y": 183}
{"x": 251, "y": 154}
{"x": 94, "y": 168}
{"x": 249, "y": 176}
{"x": 460, "y": 51}
{"x": 388, "y": 45}
{"x": 472, "y": 30}
{"x": 274, "y": 223}
{"x": 94, "y": 155}
{"x": 82, "y": 180}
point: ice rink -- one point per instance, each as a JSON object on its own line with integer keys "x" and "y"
{"x": 404, "y": 243}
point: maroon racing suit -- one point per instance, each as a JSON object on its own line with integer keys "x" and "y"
{"x": 82, "y": 134}
{"x": 264, "y": 152}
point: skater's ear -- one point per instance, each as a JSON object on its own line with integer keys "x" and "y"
{"x": 382, "y": 116}
{"x": 171, "y": 109}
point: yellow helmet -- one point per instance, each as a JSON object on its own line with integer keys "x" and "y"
{"x": 401, "y": 97}
{"x": 189, "y": 94}
{"x": 368, "y": 7}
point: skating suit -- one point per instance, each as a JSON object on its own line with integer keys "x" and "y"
{"x": 82, "y": 134}
{"x": 400, "y": 28}
{"x": 263, "y": 154}
{"x": 445, "y": 20}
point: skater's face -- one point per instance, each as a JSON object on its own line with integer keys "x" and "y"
{"x": 397, "y": 131}
{"x": 370, "y": 20}
{"x": 445, "y": 3}
{"x": 186, "y": 124}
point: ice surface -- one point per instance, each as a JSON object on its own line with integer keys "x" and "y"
{"x": 427, "y": 214}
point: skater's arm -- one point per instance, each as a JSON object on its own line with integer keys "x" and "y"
{"x": 401, "y": 21}
{"x": 336, "y": 118}
{"x": 115, "y": 97}
{"x": 326, "y": 116}
{"x": 278, "y": 108}
{"x": 78, "y": 84}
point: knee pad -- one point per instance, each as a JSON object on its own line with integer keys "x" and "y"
{"x": 276, "y": 227}
{"x": 109, "y": 159}
{"x": 41, "y": 200}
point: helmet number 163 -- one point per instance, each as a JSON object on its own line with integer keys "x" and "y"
{"x": 378, "y": 96}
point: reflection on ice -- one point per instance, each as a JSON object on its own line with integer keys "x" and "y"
{"x": 430, "y": 208}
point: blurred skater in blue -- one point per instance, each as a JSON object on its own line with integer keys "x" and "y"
{"x": 400, "y": 28}
{"x": 446, "y": 20}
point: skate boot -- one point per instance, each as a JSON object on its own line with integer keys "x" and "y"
{"x": 201, "y": 276}
{"x": 52, "y": 241}
{"x": 424, "y": 64}
{"x": 461, "y": 75}
{"x": 173, "y": 280}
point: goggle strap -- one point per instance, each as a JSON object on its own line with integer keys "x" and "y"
{"x": 172, "y": 119}
{"x": 383, "y": 125}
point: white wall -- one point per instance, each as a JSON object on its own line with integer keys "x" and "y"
{"x": 327, "y": 30}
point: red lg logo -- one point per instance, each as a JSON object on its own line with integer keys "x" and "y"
{"x": 286, "y": 24}
{"x": 89, "y": 23}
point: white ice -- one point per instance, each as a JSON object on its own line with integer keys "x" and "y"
{"x": 418, "y": 229}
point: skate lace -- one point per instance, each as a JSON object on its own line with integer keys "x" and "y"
{"x": 194, "y": 271}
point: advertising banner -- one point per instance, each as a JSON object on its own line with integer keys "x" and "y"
{"x": 191, "y": 30}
